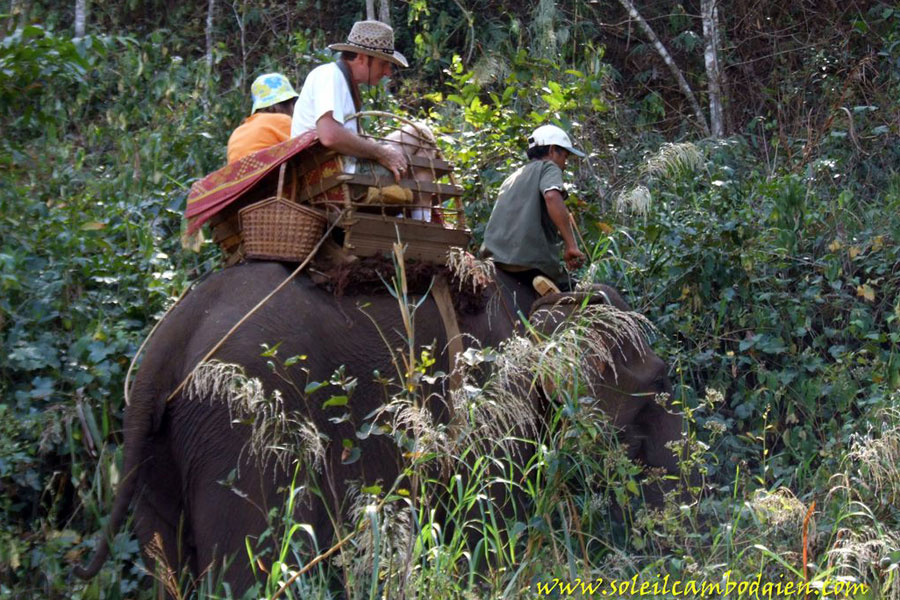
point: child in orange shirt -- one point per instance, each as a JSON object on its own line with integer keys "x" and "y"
{"x": 270, "y": 120}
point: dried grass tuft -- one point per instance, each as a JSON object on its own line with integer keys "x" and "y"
{"x": 636, "y": 200}
{"x": 588, "y": 340}
{"x": 673, "y": 159}
{"x": 471, "y": 271}
{"x": 858, "y": 554}
{"x": 504, "y": 407}
{"x": 779, "y": 511}
{"x": 163, "y": 571}
{"x": 870, "y": 485}
{"x": 277, "y": 434}
{"x": 415, "y": 419}
{"x": 388, "y": 536}
{"x": 873, "y": 461}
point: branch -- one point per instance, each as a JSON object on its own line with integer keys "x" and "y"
{"x": 628, "y": 5}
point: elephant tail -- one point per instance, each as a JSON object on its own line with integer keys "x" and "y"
{"x": 116, "y": 518}
{"x": 138, "y": 428}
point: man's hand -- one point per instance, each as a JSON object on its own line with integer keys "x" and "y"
{"x": 335, "y": 136}
{"x": 574, "y": 257}
{"x": 392, "y": 160}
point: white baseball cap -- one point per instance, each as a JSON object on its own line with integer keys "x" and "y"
{"x": 551, "y": 135}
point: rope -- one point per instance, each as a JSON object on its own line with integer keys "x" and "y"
{"x": 381, "y": 113}
{"x": 253, "y": 310}
{"x": 127, "y": 390}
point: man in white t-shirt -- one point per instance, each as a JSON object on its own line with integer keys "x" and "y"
{"x": 330, "y": 94}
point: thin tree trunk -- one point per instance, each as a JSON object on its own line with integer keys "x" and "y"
{"x": 19, "y": 13}
{"x": 628, "y": 5}
{"x": 370, "y": 10}
{"x": 385, "y": 12}
{"x": 709, "y": 12}
{"x": 239, "y": 16}
{"x": 209, "y": 34}
{"x": 80, "y": 17}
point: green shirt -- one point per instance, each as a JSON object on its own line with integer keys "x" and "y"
{"x": 520, "y": 232}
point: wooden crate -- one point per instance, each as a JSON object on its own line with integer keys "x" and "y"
{"x": 371, "y": 234}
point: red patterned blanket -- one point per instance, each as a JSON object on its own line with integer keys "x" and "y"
{"x": 217, "y": 190}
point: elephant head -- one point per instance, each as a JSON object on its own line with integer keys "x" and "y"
{"x": 629, "y": 380}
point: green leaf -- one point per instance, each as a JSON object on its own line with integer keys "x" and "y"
{"x": 270, "y": 351}
{"x": 314, "y": 386}
{"x": 336, "y": 401}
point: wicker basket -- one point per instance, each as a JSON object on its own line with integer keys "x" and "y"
{"x": 277, "y": 229}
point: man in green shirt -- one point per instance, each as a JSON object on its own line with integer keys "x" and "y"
{"x": 530, "y": 224}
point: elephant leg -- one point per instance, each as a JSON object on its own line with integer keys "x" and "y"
{"x": 221, "y": 518}
{"x": 158, "y": 520}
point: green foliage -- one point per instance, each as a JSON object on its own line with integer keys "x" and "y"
{"x": 779, "y": 294}
{"x": 94, "y": 182}
{"x": 769, "y": 270}
{"x": 488, "y": 119}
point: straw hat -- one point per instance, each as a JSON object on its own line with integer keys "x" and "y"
{"x": 372, "y": 38}
{"x": 270, "y": 89}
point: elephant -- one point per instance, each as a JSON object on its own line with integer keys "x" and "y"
{"x": 184, "y": 458}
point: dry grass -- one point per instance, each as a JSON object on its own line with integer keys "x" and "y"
{"x": 858, "y": 554}
{"x": 874, "y": 461}
{"x": 388, "y": 537}
{"x": 636, "y": 200}
{"x": 670, "y": 161}
{"x": 779, "y": 512}
{"x": 673, "y": 159}
{"x": 163, "y": 572}
{"x": 505, "y": 405}
{"x": 414, "y": 418}
{"x": 589, "y": 340}
{"x": 471, "y": 271}
{"x": 277, "y": 434}
{"x": 870, "y": 488}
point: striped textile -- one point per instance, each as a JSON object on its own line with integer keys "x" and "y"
{"x": 217, "y": 190}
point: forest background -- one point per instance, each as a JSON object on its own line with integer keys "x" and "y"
{"x": 759, "y": 233}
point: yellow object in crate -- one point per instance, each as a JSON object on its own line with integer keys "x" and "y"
{"x": 391, "y": 194}
{"x": 278, "y": 229}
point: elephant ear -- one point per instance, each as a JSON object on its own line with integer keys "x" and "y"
{"x": 599, "y": 320}
{"x": 548, "y": 312}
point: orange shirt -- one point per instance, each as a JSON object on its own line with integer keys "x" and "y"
{"x": 258, "y": 131}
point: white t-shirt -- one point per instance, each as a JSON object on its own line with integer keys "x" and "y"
{"x": 325, "y": 90}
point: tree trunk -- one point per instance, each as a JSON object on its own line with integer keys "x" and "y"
{"x": 18, "y": 11}
{"x": 242, "y": 27}
{"x": 385, "y": 12}
{"x": 709, "y": 12}
{"x": 370, "y": 10}
{"x": 80, "y": 17}
{"x": 209, "y": 34}
{"x": 628, "y": 5}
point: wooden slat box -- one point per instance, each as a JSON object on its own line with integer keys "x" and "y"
{"x": 369, "y": 234}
